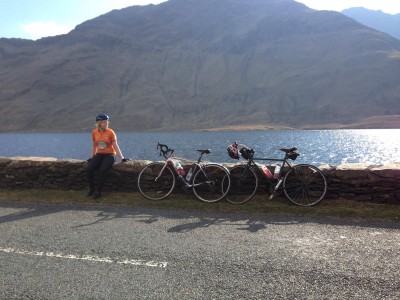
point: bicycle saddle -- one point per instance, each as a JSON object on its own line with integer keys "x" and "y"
{"x": 288, "y": 150}
{"x": 207, "y": 151}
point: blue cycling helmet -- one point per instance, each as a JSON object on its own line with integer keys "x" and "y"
{"x": 102, "y": 117}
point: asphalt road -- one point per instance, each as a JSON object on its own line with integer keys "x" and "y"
{"x": 100, "y": 252}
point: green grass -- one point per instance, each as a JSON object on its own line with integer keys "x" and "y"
{"x": 260, "y": 205}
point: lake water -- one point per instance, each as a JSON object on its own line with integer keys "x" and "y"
{"x": 376, "y": 146}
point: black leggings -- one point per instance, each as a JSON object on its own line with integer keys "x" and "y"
{"x": 105, "y": 163}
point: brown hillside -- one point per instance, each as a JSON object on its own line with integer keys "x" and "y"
{"x": 189, "y": 64}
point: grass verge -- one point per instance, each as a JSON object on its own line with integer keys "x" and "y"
{"x": 338, "y": 208}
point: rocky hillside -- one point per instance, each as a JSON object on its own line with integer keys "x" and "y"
{"x": 376, "y": 19}
{"x": 189, "y": 64}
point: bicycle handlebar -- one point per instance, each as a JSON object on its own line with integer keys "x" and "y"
{"x": 165, "y": 150}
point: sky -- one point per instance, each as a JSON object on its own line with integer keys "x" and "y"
{"x": 34, "y": 19}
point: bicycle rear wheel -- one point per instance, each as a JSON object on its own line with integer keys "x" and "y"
{"x": 244, "y": 183}
{"x": 305, "y": 185}
{"x": 211, "y": 183}
{"x": 155, "y": 185}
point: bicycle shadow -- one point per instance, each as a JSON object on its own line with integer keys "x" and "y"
{"x": 103, "y": 214}
{"x": 188, "y": 220}
{"x": 249, "y": 225}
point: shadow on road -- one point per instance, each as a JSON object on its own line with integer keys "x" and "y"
{"x": 243, "y": 222}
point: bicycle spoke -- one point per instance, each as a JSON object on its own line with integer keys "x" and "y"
{"x": 305, "y": 185}
{"x": 210, "y": 183}
{"x": 155, "y": 185}
{"x": 244, "y": 184}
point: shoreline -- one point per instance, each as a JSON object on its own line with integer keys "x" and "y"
{"x": 214, "y": 129}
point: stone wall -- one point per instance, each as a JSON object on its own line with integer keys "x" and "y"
{"x": 358, "y": 182}
{"x": 363, "y": 182}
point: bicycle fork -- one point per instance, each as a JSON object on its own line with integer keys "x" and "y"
{"x": 276, "y": 188}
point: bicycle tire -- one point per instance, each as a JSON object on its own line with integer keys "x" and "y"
{"x": 304, "y": 185}
{"x": 209, "y": 181}
{"x": 244, "y": 184}
{"x": 151, "y": 187}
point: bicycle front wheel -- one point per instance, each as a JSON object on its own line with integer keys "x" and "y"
{"x": 305, "y": 185}
{"x": 154, "y": 183}
{"x": 244, "y": 183}
{"x": 211, "y": 183}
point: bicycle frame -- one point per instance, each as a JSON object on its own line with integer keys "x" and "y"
{"x": 274, "y": 183}
{"x": 284, "y": 163}
{"x": 302, "y": 184}
{"x": 169, "y": 163}
{"x": 210, "y": 182}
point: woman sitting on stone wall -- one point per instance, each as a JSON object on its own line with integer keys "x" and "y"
{"x": 103, "y": 155}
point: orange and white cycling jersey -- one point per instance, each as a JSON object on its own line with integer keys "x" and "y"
{"x": 103, "y": 141}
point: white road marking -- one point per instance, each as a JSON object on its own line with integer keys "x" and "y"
{"x": 93, "y": 258}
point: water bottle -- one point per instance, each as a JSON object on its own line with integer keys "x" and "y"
{"x": 267, "y": 172}
{"x": 189, "y": 174}
{"x": 179, "y": 169}
{"x": 277, "y": 170}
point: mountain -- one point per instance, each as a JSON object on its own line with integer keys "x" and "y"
{"x": 189, "y": 64}
{"x": 376, "y": 19}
